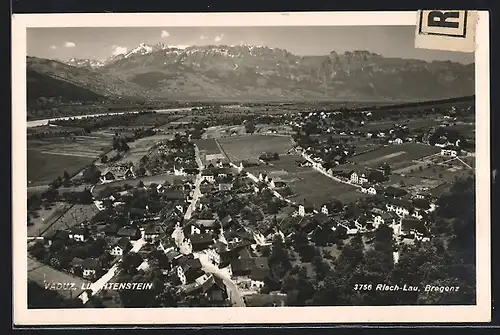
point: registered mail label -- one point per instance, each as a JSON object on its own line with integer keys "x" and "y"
{"x": 451, "y": 30}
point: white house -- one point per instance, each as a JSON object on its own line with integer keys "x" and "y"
{"x": 79, "y": 234}
{"x": 179, "y": 171}
{"x": 400, "y": 207}
{"x": 368, "y": 189}
{"x": 120, "y": 247}
{"x": 90, "y": 266}
{"x": 213, "y": 256}
{"x": 354, "y": 178}
{"x": 208, "y": 176}
{"x": 449, "y": 152}
{"x": 181, "y": 275}
{"x": 383, "y": 218}
{"x": 398, "y": 141}
{"x": 302, "y": 210}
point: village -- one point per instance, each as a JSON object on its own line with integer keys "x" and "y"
{"x": 202, "y": 216}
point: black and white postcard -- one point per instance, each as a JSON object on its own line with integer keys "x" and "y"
{"x": 251, "y": 168}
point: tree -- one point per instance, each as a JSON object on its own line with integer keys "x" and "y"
{"x": 104, "y": 159}
{"x": 279, "y": 260}
{"x": 130, "y": 262}
{"x": 37, "y": 250}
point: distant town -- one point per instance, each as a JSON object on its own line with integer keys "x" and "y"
{"x": 254, "y": 205}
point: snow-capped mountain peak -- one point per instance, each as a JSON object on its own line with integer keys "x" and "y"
{"x": 77, "y": 62}
{"x": 141, "y": 49}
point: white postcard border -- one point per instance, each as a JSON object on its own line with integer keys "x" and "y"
{"x": 179, "y": 316}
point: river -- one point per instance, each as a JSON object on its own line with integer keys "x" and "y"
{"x": 44, "y": 122}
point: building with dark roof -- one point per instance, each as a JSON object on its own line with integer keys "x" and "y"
{"x": 201, "y": 241}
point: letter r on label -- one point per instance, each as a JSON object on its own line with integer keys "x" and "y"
{"x": 438, "y": 18}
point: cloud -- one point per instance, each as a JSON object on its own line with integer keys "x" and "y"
{"x": 53, "y": 47}
{"x": 218, "y": 38}
{"x": 203, "y": 37}
{"x": 164, "y": 34}
{"x": 69, "y": 45}
{"x": 118, "y": 50}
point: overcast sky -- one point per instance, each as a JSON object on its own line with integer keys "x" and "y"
{"x": 100, "y": 43}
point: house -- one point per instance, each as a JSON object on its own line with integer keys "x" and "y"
{"x": 119, "y": 172}
{"x": 90, "y": 266}
{"x": 222, "y": 172}
{"x": 383, "y": 218}
{"x": 154, "y": 231}
{"x": 201, "y": 241}
{"x": 450, "y": 151}
{"x": 79, "y": 234}
{"x": 357, "y": 177}
{"x": 57, "y": 235}
{"x": 306, "y": 208}
{"x": 76, "y": 263}
{"x": 331, "y": 207}
{"x": 414, "y": 228}
{"x": 397, "y": 141}
{"x": 208, "y": 176}
{"x": 213, "y": 255}
{"x": 179, "y": 171}
{"x": 189, "y": 270}
{"x": 206, "y": 187}
{"x": 351, "y": 227}
{"x": 225, "y": 186}
{"x": 259, "y": 272}
{"x": 132, "y": 233}
{"x": 441, "y": 142}
{"x": 395, "y": 192}
{"x": 120, "y": 247}
{"x": 400, "y": 207}
{"x": 368, "y": 189}
{"x": 227, "y": 221}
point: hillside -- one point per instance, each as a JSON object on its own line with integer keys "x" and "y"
{"x": 41, "y": 87}
{"x": 82, "y": 77}
{"x": 249, "y": 72}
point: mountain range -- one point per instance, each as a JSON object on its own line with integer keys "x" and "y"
{"x": 245, "y": 72}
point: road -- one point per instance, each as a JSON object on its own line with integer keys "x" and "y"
{"x": 231, "y": 288}
{"x": 97, "y": 286}
{"x": 330, "y": 176}
{"x": 196, "y": 191}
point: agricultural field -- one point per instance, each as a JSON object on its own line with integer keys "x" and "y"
{"x": 49, "y": 158}
{"x": 414, "y": 183}
{"x": 414, "y": 123}
{"x": 41, "y": 273}
{"x": 140, "y": 147}
{"x": 44, "y": 217}
{"x": 209, "y": 150}
{"x": 397, "y": 156}
{"x": 252, "y": 146}
{"x": 443, "y": 173}
{"x": 208, "y": 145}
{"x": 43, "y": 168}
{"x": 318, "y": 189}
{"x": 74, "y": 216}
